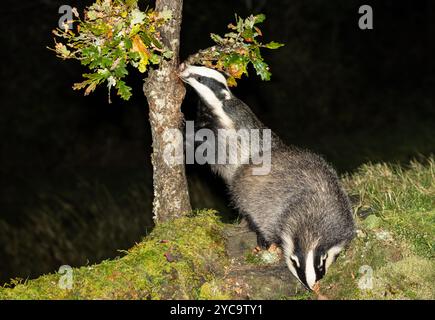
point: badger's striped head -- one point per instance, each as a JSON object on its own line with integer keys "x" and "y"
{"x": 309, "y": 261}
{"x": 210, "y": 84}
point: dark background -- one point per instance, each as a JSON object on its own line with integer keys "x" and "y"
{"x": 75, "y": 175}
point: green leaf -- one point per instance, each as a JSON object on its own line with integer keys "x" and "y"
{"x": 155, "y": 58}
{"x": 156, "y": 43}
{"x": 236, "y": 65}
{"x": 248, "y": 35}
{"x": 120, "y": 71}
{"x": 259, "y": 18}
{"x": 146, "y": 39}
{"x": 135, "y": 56}
{"x": 112, "y": 35}
{"x": 273, "y": 45}
{"x": 124, "y": 91}
{"x": 131, "y": 3}
{"x": 262, "y": 69}
{"x": 128, "y": 44}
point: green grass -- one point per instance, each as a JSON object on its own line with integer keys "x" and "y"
{"x": 396, "y": 242}
{"x": 404, "y": 199}
{"x": 186, "y": 258}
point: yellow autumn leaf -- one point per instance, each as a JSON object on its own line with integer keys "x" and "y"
{"x": 231, "y": 82}
{"x": 236, "y": 70}
{"x": 142, "y": 67}
{"x": 139, "y": 46}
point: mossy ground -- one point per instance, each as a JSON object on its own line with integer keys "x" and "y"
{"x": 391, "y": 258}
{"x": 393, "y": 255}
{"x": 178, "y": 260}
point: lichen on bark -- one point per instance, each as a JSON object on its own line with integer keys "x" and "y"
{"x": 165, "y": 93}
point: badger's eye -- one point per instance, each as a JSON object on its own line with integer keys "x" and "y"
{"x": 323, "y": 260}
{"x": 198, "y": 78}
{"x": 295, "y": 261}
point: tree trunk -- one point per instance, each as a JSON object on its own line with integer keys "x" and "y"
{"x": 165, "y": 93}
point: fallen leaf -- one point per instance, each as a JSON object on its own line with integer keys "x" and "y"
{"x": 169, "y": 257}
{"x": 316, "y": 288}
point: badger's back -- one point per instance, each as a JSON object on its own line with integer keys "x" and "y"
{"x": 301, "y": 190}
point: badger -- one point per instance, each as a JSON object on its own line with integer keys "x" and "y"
{"x": 299, "y": 205}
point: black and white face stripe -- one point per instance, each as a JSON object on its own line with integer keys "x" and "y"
{"x": 212, "y": 88}
{"x": 201, "y": 78}
{"x": 311, "y": 266}
{"x": 320, "y": 265}
{"x": 219, "y": 89}
{"x": 190, "y": 71}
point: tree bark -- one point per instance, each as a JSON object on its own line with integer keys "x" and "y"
{"x": 165, "y": 93}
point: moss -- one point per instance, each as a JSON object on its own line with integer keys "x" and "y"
{"x": 395, "y": 244}
{"x": 410, "y": 278}
{"x": 174, "y": 261}
{"x": 253, "y": 258}
{"x": 404, "y": 199}
{"x": 213, "y": 290}
{"x": 365, "y": 252}
{"x": 372, "y": 221}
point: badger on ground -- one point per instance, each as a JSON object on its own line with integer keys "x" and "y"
{"x": 299, "y": 204}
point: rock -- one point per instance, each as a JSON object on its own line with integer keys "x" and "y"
{"x": 265, "y": 282}
{"x": 384, "y": 236}
{"x": 240, "y": 240}
{"x": 257, "y": 281}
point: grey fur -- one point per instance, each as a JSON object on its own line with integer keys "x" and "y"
{"x": 300, "y": 199}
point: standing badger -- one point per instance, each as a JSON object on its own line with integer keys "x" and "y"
{"x": 299, "y": 204}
